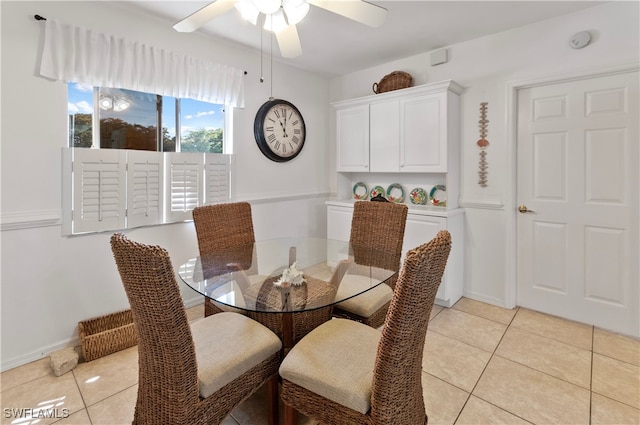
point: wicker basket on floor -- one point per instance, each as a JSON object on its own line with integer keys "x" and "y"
{"x": 394, "y": 81}
{"x": 104, "y": 335}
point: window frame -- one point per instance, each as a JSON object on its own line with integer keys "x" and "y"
{"x": 227, "y": 121}
{"x": 108, "y": 189}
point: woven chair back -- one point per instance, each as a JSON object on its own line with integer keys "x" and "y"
{"x": 378, "y": 227}
{"x": 166, "y": 353}
{"x": 223, "y": 226}
{"x": 397, "y": 385}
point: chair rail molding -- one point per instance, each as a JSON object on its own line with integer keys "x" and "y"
{"x": 30, "y": 219}
{"x": 488, "y": 204}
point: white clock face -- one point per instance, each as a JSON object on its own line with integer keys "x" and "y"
{"x": 284, "y": 130}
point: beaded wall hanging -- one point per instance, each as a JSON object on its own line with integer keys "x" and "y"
{"x": 483, "y": 143}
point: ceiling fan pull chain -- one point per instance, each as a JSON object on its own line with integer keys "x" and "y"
{"x": 261, "y": 54}
{"x": 271, "y": 64}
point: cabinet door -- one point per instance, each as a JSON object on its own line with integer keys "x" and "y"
{"x": 421, "y": 229}
{"x": 384, "y": 131}
{"x": 339, "y": 222}
{"x": 338, "y": 228}
{"x": 352, "y": 138}
{"x": 423, "y": 134}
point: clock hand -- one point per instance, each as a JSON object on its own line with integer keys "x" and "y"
{"x": 284, "y": 128}
{"x": 284, "y": 113}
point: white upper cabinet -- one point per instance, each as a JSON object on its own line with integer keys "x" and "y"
{"x": 384, "y": 127}
{"x": 423, "y": 134}
{"x": 353, "y": 138}
{"x": 408, "y": 130}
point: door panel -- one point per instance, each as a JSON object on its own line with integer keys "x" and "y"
{"x": 578, "y": 178}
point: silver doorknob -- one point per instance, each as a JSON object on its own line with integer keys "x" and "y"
{"x": 523, "y": 209}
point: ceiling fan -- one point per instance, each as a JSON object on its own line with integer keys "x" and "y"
{"x": 281, "y": 16}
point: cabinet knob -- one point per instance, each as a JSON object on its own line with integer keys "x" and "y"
{"x": 366, "y": 165}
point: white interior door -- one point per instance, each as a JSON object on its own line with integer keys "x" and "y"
{"x": 577, "y": 191}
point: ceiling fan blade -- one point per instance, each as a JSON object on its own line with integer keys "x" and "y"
{"x": 203, "y": 15}
{"x": 357, "y": 10}
{"x": 289, "y": 42}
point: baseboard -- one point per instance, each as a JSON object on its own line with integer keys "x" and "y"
{"x": 485, "y": 299}
{"x": 37, "y": 355}
{"x": 71, "y": 342}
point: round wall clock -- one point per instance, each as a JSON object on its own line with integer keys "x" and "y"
{"x": 279, "y": 130}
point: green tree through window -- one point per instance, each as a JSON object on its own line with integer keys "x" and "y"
{"x": 130, "y": 120}
{"x": 202, "y": 140}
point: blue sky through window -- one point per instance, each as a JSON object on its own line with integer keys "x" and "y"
{"x": 194, "y": 114}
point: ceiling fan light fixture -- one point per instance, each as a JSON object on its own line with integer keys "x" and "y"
{"x": 120, "y": 104}
{"x": 275, "y": 22}
{"x": 106, "y": 103}
{"x": 117, "y": 104}
{"x": 267, "y": 7}
{"x": 248, "y": 10}
{"x": 295, "y": 10}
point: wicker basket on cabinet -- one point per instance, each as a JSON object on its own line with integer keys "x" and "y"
{"x": 394, "y": 81}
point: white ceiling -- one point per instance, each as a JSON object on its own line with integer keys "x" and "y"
{"x": 333, "y": 45}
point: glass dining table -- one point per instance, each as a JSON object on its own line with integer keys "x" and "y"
{"x": 288, "y": 284}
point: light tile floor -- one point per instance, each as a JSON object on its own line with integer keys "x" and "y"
{"x": 482, "y": 365}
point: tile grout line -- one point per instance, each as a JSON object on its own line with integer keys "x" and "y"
{"x": 84, "y": 402}
{"x": 614, "y": 358}
{"x": 542, "y": 371}
{"x": 539, "y": 371}
{"x": 467, "y": 343}
{"x": 484, "y": 369}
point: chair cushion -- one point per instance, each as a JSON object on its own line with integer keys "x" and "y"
{"x": 364, "y": 305}
{"x": 336, "y": 361}
{"x": 227, "y": 345}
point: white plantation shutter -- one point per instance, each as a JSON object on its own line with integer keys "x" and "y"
{"x": 99, "y": 196}
{"x": 217, "y": 168}
{"x": 145, "y": 175}
{"x": 115, "y": 189}
{"x": 185, "y": 189}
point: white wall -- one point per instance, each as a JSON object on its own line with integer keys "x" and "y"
{"x": 50, "y": 282}
{"x": 488, "y": 68}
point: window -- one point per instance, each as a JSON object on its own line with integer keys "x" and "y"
{"x": 109, "y": 118}
{"x": 147, "y": 159}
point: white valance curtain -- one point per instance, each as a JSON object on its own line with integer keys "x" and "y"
{"x": 76, "y": 54}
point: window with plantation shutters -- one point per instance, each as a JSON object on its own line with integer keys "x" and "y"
{"x": 145, "y": 175}
{"x": 114, "y": 189}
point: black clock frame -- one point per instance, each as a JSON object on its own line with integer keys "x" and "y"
{"x": 258, "y": 130}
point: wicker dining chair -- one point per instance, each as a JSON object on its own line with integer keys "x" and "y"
{"x": 190, "y": 374}
{"x": 345, "y": 372}
{"x": 376, "y": 227}
{"x": 221, "y": 227}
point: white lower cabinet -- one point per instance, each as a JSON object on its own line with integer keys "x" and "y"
{"x": 339, "y": 222}
{"x": 422, "y": 225}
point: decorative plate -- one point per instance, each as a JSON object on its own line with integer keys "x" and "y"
{"x": 438, "y": 195}
{"x": 395, "y": 193}
{"x": 360, "y": 191}
{"x": 418, "y": 196}
{"x": 376, "y": 190}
